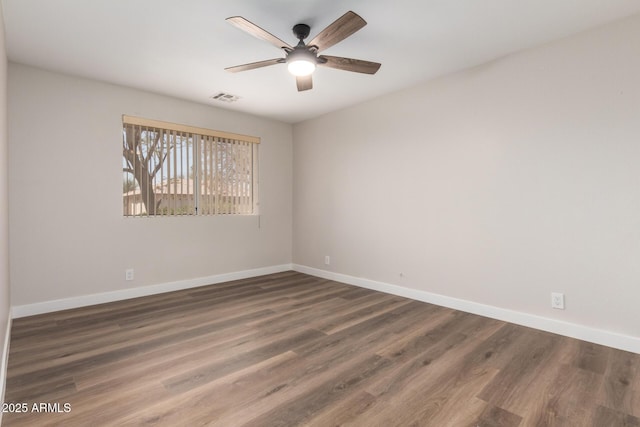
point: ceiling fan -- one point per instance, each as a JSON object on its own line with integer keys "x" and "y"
{"x": 302, "y": 59}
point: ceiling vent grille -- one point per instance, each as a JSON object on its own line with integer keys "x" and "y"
{"x": 225, "y": 97}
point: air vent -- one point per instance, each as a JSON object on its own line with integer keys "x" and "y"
{"x": 225, "y": 97}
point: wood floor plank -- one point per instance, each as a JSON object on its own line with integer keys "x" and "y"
{"x": 204, "y": 405}
{"x": 515, "y": 377}
{"x": 619, "y": 389}
{"x": 611, "y": 418}
{"x": 313, "y": 372}
{"x": 440, "y": 407}
{"x": 345, "y": 411}
{"x": 64, "y": 366}
{"x": 441, "y": 354}
{"x": 442, "y": 325}
{"x": 493, "y": 416}
{"x": 559, "y": 404}
{"x": 338, "y": 323}
{"x": 293, "y": 349}
{"x": 212, "y": 371}
{"x": 313, "y": 400}
{"x": 592, "y": 357}
{"x": 416, "y": 384}
{"x": 171, "y": 360}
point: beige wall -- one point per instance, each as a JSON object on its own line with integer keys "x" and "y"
{"x": 4, "y": 193}
{"x": 497, "y": 185}
{"x": 68, "y": 236}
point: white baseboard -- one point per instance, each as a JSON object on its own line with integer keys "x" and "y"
{"x": 598, "y": 336}
{"x": 573, "y": 330}
{"x": 86, "y": 300}
{"x": 5, "y": 360}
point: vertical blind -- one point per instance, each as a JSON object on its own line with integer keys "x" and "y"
{"x": 171, "y": 169}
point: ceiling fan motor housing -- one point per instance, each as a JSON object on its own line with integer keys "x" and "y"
{"x": 301, "y": 53}
{"x": 301, "y": 31}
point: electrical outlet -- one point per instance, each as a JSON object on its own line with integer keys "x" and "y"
{"x": 128, "y": 274}
{"x": 327, "y": 260}
{"x": 557, "y": 300}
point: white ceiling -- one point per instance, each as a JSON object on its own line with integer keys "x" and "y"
{"x": 180, "y": 47}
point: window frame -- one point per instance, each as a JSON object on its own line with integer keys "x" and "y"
{"x": 195, "y": 139}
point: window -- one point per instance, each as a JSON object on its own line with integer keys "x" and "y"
{"x": 171, "y": 169}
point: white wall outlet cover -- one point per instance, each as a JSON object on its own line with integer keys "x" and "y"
{"x": 557, "y": 300}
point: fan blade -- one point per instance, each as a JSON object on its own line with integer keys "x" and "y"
{"x": 339, "y": 30}
{"x": 256, "y": 31}
{"x": 349, "y": 64}
{"x": 304, "y": 82}
{"x": 251, "y": 66}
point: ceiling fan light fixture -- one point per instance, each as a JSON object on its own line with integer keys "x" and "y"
{"x": 301, "y": 67}
{"x": 301, "y": 62}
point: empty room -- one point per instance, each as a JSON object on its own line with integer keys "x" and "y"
{"x": 320, "y": 213}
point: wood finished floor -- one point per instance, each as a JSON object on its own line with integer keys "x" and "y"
{"x": 290, "y": 349}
